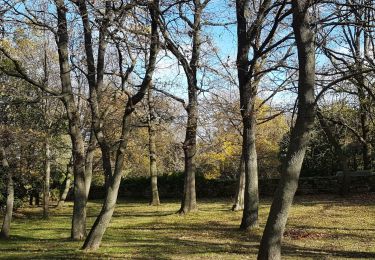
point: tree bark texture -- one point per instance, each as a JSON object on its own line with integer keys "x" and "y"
{"x": 248, "y": 86}
{"x": 155, "y": 201}
{"x": 239, "y": 199}
{"x": 5, "y": 229}
{"x": 78, "y": 231}
{"x": 189, "y": 199}
{"x": 270, "y": 246}
{"x": 47, "y": 177}
{"x": 97, "y": 231}
{"x": 89, "y": 162}
{"x": 251, "y": 197}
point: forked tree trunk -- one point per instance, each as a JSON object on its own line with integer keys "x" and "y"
{"x": 240, "y": 188}
{"x": 78, "y": 231}
{"x": 270, "y": 246}
{"x": 68, "y": 181}
{"x": 251, "y": 197}
{"x": 95, "y": 236}
{"x": 5, "y": 229}
{"x": 248, "y": 70}
{"x": 155, "y": 201}
{"x": 47, "y": 180}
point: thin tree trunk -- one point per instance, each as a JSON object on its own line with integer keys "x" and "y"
{"x": 5, "y": 229}
{"x": 89, "y": 162}
{"x": 365, "y": 129}
{"x": 251, "y": 202}
{"x": 31, "y": 199}
{"x": 68, "y": 181}
{"x": 47, "y": 180}
{"x": 155, "y": 201}
{"x": 270, "y": 246}
{"x": 37, "y": 197}
{"x": 239, "y": 199}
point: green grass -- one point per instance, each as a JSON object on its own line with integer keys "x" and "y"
{"x": 319, "y": 227}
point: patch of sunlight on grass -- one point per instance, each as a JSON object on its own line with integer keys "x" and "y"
{"x": 319, "y": 227}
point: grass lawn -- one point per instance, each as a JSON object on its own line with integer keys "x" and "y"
{"x": 319, "y": 227}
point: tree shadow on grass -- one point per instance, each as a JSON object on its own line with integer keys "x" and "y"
{"x": 333, "y": 228}
{"x": 296, "y": 251}
{"x": 183, "y": 240}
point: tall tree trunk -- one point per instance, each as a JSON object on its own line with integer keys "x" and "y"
{"x": 270, "y": 246}
{"x": 5, "y": 229}
{"x": 250, "y": 211}
{"x": 78, "y": 231}
{"x": 189, "y": 200}
{"x": 95, "y": 236}
{"x": 47, "y": 180}
{"x": 239, "y": 199}
{"x": 152, "y": 150}
{"x": 68, "y": 180}
{"x": 248, "y": 86}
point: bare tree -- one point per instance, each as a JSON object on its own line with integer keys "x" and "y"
{"x": 190, "y": 66}
{"x": 250, "y": 26}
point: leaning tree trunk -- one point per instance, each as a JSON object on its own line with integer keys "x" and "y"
{"x": 189, "y": 200}
{"x": 47, "y": 180}
{"x": 251, "y": 202}
{"x": 270, "y": 247}
{"x": 240, "y": 188}
{"x": 152, "y": 150}
{"x": 95, "y": 236}
{"x": 5, "y": 229}
{"x": 68, "y": 181}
